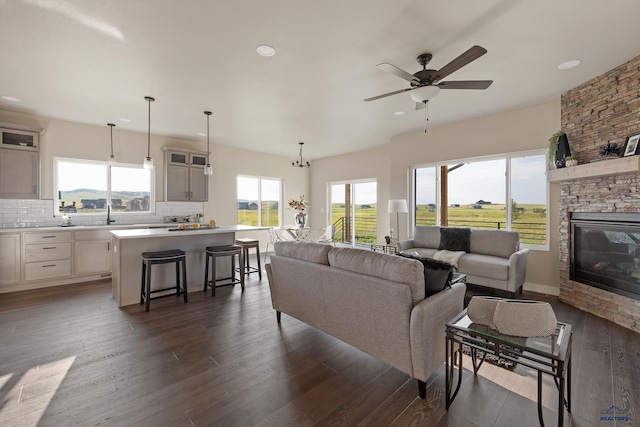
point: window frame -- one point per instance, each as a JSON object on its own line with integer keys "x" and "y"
{"x": 259, "y": 201}
{"x": 507, "y": 157}
{"x": 56, "y": 198}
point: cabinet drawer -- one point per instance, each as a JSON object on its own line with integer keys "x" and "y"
{"x": 55, "y": 236}
{"x": 47, "y": 269}
{"x": 47, "y": 252}
{"x": 92, "y": 235}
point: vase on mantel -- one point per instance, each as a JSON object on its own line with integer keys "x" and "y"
{"x": 301, "y": 219}
{"x": 571, "y": 161}
{"x": 563, "y": 151}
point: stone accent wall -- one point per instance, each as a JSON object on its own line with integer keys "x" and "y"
{"x": 604, "y": 109}
{"x": 607, "y": 194}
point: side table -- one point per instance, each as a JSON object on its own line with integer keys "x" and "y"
{"x": 385, "y": 248}
{"x": 547, "y": 355}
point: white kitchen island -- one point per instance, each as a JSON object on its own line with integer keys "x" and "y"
{"x": 128, "y": 246}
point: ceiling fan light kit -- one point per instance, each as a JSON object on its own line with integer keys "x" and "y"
{"x": 424, "y": 93}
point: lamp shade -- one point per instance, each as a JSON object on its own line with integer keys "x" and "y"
{"x": 398, "y": 206}
{"x": 424, "y": 93}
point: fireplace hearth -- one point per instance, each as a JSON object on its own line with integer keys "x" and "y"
{"x": 605, "y": 251}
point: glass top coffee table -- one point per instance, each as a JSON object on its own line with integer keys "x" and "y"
{"x": 547, "y": 355}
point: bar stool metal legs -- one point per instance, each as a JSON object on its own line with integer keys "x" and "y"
{"x": 247, "y": 244}
{"x": 176, "y": 256}
{"x": 212, "y": 253}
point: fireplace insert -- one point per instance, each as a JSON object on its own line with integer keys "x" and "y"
{"x": 605, "y": 251}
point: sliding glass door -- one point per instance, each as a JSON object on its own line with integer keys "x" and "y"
{"x": 353, "y": 212}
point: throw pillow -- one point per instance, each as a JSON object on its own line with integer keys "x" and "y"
{"x": 437, "y": 274}
{"x": 455, "y": 239}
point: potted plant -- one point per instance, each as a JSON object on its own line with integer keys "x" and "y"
{"x": 570, "y": 161}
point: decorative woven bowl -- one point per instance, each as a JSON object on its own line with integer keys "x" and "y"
{"x": 481, "y": 310}
{"x": 524, "y": 318}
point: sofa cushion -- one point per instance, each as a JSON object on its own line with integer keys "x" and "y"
{"x": 488, "y": 266}
{"x": 420, "y": 252}
{"x": 437, "y": 274}
{"x": 306, "y": 251}
{"x": 500, "y": 243}
{"x": 455, "y": 239}
{"x": 383, "y": 266}
{"x": 426, "y": 236}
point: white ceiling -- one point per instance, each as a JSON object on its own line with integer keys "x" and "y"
{"x": 95, "y": 61}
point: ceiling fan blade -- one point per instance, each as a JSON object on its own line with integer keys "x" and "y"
{"x": 466, "y": 84}
{"x": 385, "y": 66}
{"x": 388, "y": 94}
{"x": 470, "y": 55}
{"x": 421, "y": 105}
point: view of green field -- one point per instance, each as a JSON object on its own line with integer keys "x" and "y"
{"x": 269, "y": 215}
{"x": 528, "y": 219}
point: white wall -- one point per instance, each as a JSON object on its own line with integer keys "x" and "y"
{"x": 519, "y": 130}
{"x": 368, "y": 164}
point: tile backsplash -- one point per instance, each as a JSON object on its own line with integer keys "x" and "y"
{"x": 40, "y": 213}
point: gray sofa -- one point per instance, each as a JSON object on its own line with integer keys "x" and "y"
{"x": 494, "y": 259}
{"x": 372, "y": 301}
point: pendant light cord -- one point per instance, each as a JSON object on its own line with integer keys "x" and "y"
{"x": 111, "y": 125}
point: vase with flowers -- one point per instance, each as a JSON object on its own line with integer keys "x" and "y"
{"x": 299, "y": 205}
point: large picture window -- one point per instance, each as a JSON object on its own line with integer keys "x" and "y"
{"x": 88, "y": 187}
{"x": 259, "y": 201}
{"x": 507, "y": 192}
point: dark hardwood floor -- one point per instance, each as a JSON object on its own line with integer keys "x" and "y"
{"x": 69, "y": 356}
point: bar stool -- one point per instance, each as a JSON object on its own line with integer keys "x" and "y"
{"x": 247, "y": 244}
{"x": 212, "y": 253}
{"x": 176, "y": 256}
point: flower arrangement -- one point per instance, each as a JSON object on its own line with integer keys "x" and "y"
{"x": 298, "y": 204}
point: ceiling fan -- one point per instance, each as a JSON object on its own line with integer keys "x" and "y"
{"x": 425, "y": 84}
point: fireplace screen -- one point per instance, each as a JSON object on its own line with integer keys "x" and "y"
{"x": 605, "y": 251}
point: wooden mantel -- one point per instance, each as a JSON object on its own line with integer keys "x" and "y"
{"x": 595, "y": 169}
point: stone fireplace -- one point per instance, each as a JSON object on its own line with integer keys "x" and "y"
{"x": 602, "y": 110}
{"x": 605, "y": 251}
{"x": 608, "y": 195}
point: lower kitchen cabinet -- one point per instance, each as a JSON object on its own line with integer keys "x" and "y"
{"x": 92, "y": 252}
{"x": 47, "y": 255}
{"x": 10, "y": 258}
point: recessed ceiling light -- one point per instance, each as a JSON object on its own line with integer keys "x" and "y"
{"x": 399, "y": 113}
{"x": 10, "y": 98}
{"x": 125, "y": 120}
{"x": 265, "y": 50}
{"x": 569, "y": 64}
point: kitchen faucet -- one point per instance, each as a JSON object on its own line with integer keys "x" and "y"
{"x": 109, "y": 220}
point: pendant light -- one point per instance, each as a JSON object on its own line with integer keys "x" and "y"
{"x": 112, "y": 158}
{"x": 208, "y": 170}
{"x": 301, "y": 163}
{"x": 148, "y": 162}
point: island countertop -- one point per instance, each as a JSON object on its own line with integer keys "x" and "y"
{"x": 143, "y": 233}
{"x": 128, "y": 245}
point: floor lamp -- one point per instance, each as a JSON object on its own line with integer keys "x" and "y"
{"x": 397, "y": 207}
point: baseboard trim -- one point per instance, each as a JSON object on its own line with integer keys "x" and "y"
{"x": 541, "y": 289}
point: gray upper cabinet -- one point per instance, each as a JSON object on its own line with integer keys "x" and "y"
{"x": 19, "y": 164}
{"x": 185, "y": 180}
